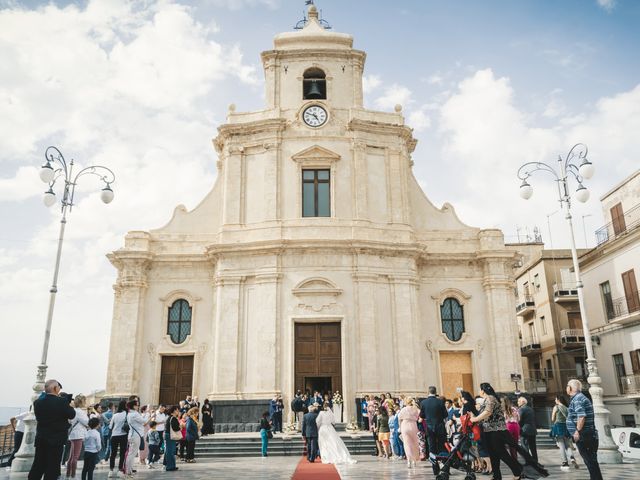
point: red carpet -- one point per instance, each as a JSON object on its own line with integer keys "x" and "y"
{"x": 315, "y": 471}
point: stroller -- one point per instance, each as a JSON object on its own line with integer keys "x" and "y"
{"x": 459, "y": 455}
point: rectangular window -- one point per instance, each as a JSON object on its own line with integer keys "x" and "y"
{"x": 607, "y": 300}
{"x": 618, "y": 366}
{"x": 629, "y": 420}
{"x": 631, "y": 291}
{"x": 617, "y": 218}
{"x": 543, "y": 326}
{"x": 575, "y": 320}
{"x": 581, "y": 368}
{"x": 536, "y": 282}
{"x": 549, "y": 368}
{"x": 635, "y": 361}
{"x": 316, "y": 193}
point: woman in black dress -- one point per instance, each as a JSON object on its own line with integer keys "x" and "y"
{"x": 207, "y": 418}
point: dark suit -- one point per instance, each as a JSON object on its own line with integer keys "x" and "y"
{"x": 52, "y": 414}
{"x": 310, "y": 433}
{"x": 528, "y": 430}
{"x": 434, "y": 412}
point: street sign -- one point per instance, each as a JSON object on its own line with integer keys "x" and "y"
{"x": 516, "y": 377}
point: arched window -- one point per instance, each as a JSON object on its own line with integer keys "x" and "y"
{"x": 314, "y": 84}
{"x": 179, "y": 324}
{"x": 452, "y": 317}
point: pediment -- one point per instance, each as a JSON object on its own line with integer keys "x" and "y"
{"x": 315, "y": 153}
{"x": 316, "y": 286}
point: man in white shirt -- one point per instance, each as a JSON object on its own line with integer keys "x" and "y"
{"x": 160, "y": 418}
{"x": 17, "y": 423}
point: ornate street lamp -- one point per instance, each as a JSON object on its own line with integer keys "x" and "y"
{"x": 50, "y": 173}
{"x": 576, "y": 165}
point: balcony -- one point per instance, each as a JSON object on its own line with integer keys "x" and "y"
{"x": 623, "y": 309}
{"x": 565, "y": 292}
{"x": 530, "y": 346}
{"x": 535, "y": 385}
{"x": 525, "y": 305}
{"x": 572, "y": 337}
{"x": 623, "y": 225}
{"x": 630, "y": 385}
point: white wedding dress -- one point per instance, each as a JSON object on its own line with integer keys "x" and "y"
{"x": 332, "y": 448}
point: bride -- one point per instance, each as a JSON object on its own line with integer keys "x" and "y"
{"x": 332, "y": 448}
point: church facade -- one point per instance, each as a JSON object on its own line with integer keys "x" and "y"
{"x": 315, "y": 262}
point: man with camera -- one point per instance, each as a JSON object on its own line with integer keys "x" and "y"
{"x": 53, "y": 413}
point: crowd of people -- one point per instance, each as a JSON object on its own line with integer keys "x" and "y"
{"x": 401, "y": 427}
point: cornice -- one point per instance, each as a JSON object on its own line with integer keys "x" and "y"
{"x": 377, "y": 128}
{"x": 268, "y": 125}
{"x": 305, "y": 54}
{"x": 600, "y": 252}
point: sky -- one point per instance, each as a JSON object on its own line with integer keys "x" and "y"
{"x": 141, "y": 87}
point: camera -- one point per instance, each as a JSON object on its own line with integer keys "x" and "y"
{"x": 67, "y": 396}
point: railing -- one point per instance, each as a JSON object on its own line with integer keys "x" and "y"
{"x": 630, "y": 384}
{"x": 564, "y": 290}
{"x": 631, "y": 219}
{"x": 571, "y": 336}
{"x": 529, "y": 344}
{"x": 535, "y": 385}
{"x": 526, "y": 303}
{"x": 619, "y": 307}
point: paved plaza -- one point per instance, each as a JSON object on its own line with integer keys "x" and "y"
{"x": 367, "y": 468}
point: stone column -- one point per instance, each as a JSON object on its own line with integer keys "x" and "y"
{"x": 127, "y": 326}
{"x": 226, "y": 337}
{"x": 359, "y": 186}
{"x": 232, "y": 178}
{"x": 365, "y": 343}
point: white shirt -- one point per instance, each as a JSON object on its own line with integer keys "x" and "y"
{"x": 117, "y": 421}
{"x": 136, "y": 424}
{"x": 79, "y": 425}
{"x": 20, "y": 421}
{"x": 92, "y": 441}
{"x": 161, "y": 419}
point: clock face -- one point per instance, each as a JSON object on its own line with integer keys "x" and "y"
{"x": 314, "y": 116}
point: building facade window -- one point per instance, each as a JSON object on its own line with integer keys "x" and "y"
{"x": 316, "y": 193}
{"x": 536, "y": 282}
{"x": 549, "y": 368}
{"x": 607, "y": 300}
{"x": 452, "y": 315}
{"x": 179, "y": 321}
{"x": 543, "y": 326}
{"x": 618, "y": 366}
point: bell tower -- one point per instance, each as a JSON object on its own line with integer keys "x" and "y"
{"x": 313, "y": 63}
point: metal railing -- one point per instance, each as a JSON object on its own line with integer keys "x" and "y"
{"x": 607, "y": 232}
{"x": 630, "y": 384}
{"x": 524, "y": 303}
{"x": 619, "y": 307}
{"x": 529, "y": 343}
{"x": 571, "y": 335}
{"x": 535, "y": 385}
{"x": 564, "y": 290}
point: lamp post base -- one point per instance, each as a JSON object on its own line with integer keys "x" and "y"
{"x": 607, "y": 449}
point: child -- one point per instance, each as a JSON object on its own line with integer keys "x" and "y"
{"x": 92, "y": 447}
{"x": 153, "y": 440}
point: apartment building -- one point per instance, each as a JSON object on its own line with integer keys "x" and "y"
{"x": 610, "y": 273}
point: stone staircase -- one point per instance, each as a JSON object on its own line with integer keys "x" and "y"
{"x": 249, "y": 444}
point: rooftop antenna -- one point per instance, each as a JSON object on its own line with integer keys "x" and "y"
{"x": 312, "y": 11}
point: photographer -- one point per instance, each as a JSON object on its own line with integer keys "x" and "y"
{"x": 52, "y": 414}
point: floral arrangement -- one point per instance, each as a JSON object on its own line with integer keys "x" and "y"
{"x": 337, "y": 398}
{"x": 290, "y": 428}
{"x": 352, "y": 426}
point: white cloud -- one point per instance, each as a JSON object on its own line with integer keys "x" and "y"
{"x": 240, "y": 4}
{"x": 419, "y": 120}
{"x": 128, "y": 85}
{"x": 370, "y": 83}
{"x": 394, "y": 95}
{"x": 486, "y": 138}
{"x": 607, "y": 5}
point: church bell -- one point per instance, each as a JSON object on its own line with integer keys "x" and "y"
{"x": 314, "y": 90}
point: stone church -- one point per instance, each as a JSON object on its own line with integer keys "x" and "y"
{"x": 315, "y": 261}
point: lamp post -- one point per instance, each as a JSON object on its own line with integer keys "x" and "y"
{"x": 568, "y": 167}
{"x": 55, "y": 168}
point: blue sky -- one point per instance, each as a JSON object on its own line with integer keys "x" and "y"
{"x": 141, "y": 87}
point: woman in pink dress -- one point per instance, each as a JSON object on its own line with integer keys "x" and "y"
{"x": 409, "y": 428}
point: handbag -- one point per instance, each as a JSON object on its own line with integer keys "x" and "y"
{"x": 173, "y": 435}
{"x": 125, "y": 425}
{"x": 269, "y": 434}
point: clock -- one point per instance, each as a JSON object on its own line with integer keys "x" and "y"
{"x": 314, "y": 116}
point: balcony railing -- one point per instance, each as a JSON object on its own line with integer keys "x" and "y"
{"x": 565, "y": 292}
{"x": 630, "y": 384}
{"x": 535, "y": 385}
{"x": 525, "y": 305}
{"x": 530, "y": 345}
{"x": 572, "y": 337}
{"x": 629, "y": 220}
{"x": 621, "y": 307}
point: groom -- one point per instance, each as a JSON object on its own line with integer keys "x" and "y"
{"x": 310, "y": 432}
